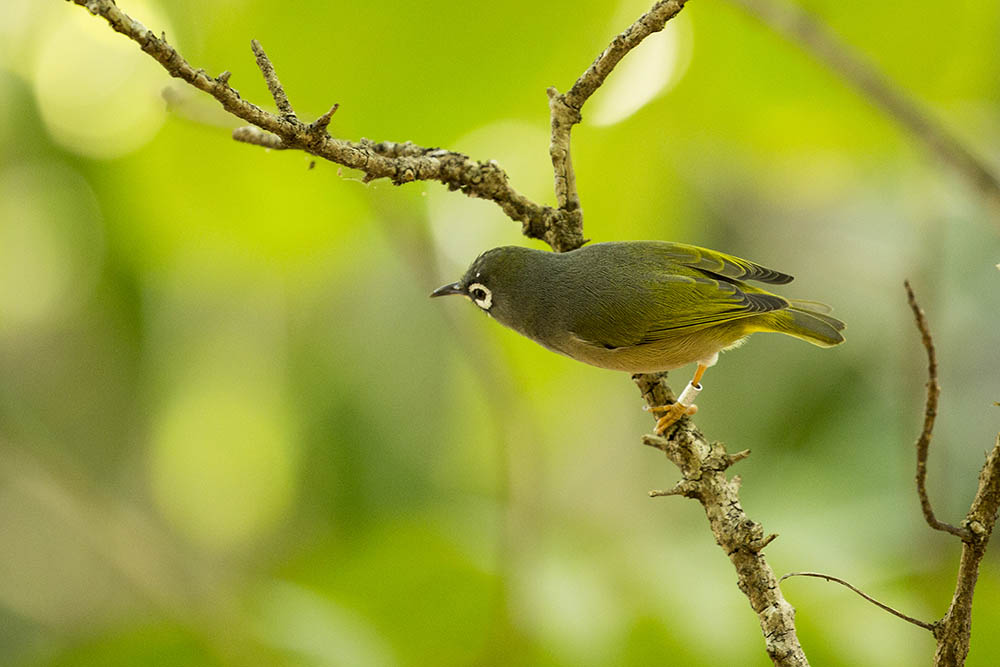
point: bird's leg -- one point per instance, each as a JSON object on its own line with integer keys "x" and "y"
{"x": 684, "y": 405}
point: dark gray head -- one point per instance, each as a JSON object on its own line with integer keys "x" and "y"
{"x": 499, "y": 281}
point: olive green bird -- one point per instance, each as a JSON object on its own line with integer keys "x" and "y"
{"x": 639, "y": 306}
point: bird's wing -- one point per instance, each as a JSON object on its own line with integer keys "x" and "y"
{"x": 722, "y": 264}
{"x": 705, "y": 302}
{"x": 696, "y": 301}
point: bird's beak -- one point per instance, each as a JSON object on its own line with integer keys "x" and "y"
{"x": 445, "y": 290}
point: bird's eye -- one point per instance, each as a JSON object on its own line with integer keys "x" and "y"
{"x": 481, "y": 295}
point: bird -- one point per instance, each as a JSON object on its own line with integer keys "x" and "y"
{"x": 640, "y": 306}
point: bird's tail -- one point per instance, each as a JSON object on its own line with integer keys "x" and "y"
{"x": 808, "y": 320}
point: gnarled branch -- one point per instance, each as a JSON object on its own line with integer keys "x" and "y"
{"x": 954, "y": 631}
{"x": 398, "y": 162}
{"x": 703, "y": 468}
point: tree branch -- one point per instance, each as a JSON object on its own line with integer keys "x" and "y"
{"x": 801, "y": 27}
{"x": 565, "y": 109}
{"x": 702, "y": 464}
{"x": 258, "y": 137}
{"x": 881, "y": 605}
{"x": 954, "y": 631}
{"x": 398, "y": 162}
{"x": 703, "y": 468}
{"x": 930, "y": 414}
{"x": 273, "y": 84}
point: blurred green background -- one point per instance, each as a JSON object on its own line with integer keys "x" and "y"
{"x": 235, "y": 431}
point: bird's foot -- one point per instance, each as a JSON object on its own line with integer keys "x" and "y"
{"x": 683, "y": 407}
{"x": 673, "y": 413}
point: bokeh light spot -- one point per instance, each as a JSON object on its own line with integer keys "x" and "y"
{"x": 650, "y": 70}
{"x": 51, "y": 243}
{"x": 305, "y": 623}
{"x": 98, "y": 97}
{"x": 223, "y": 462}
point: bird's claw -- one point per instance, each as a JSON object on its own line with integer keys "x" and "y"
{"x": 672, "y": 414}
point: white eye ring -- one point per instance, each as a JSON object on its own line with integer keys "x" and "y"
{"x": 480, "y": 295}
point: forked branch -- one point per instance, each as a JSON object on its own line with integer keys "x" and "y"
{"x": 565, "y": 108}
{"x": 398, "y": 162}
{"x": 954, "y": 631}
{"x": 930, "y": 414}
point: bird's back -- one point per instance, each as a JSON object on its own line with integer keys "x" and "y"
{"x": 648, "y": 305}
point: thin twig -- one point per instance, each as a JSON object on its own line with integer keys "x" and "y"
{"x": 760, "y": 544}
{"x": 647, "y": 24}
{"x": 732, "y": 459}
{"x": 249, "y": 134}
{"x": 320, "y": 124}
{"x": 930, "y": 414}
{"x": 815, "y": 37}
{"x": 684, "y": 487}
{"x": 565, "y": 109}
{"x": 909, "y": 619}
{"x": 273, "y": 83}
